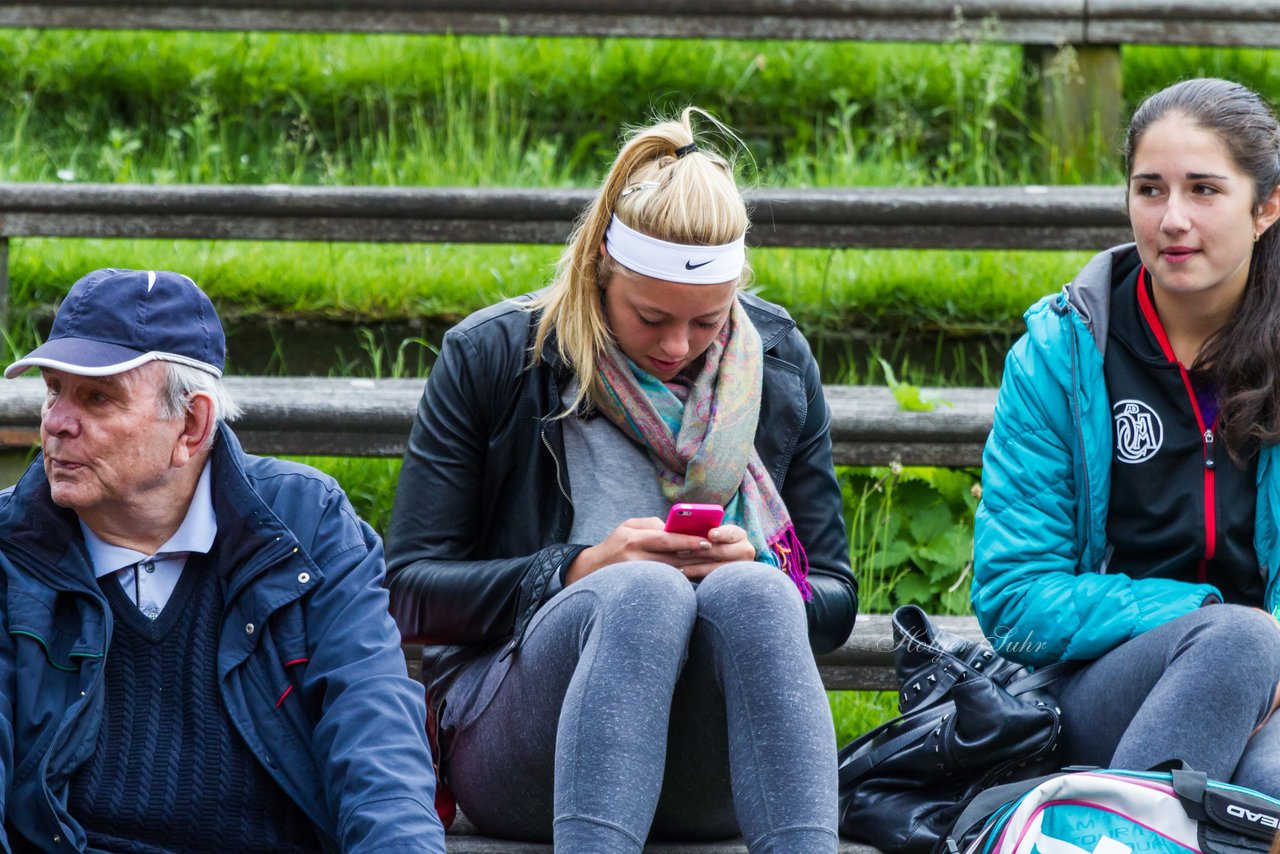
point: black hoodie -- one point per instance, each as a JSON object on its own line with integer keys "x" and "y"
{"x": 1181, "y": 507}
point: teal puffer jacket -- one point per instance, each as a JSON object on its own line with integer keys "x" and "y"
{"x": 1041, "y": 588}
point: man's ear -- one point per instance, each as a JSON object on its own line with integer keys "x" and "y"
{"x": 197, "y": 426}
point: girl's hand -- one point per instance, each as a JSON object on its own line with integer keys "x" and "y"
{"x": 645, "y": 539}
{"x": 728, "y": 544}
{"x": 635, "y": 539}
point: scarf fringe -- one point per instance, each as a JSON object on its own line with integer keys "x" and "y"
{"x": 792, "y": 559}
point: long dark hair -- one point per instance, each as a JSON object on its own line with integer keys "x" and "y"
{"x": 1243, "y": 357}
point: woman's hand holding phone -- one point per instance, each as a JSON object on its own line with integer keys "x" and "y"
{"x": 728, "y": 544}
{"x": 648, "y": 539}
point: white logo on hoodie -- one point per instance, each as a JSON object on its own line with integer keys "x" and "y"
{"x": 1139, "y": 432}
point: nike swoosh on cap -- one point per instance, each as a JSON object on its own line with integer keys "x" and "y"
{"x": 689, "y": 265}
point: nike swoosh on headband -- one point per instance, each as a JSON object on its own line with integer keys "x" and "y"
{"x": 691, "y": 264}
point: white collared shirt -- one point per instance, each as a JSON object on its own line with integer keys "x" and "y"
{"x": 149, "y": 580}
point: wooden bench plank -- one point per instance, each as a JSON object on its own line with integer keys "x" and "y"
{"x": 1025, "y": 21}
{"x": 1029, "y": 22}
{"x": 1030, "y": 217}
{"x": 1184, "y": 22}
{"x": 371, "y": 418}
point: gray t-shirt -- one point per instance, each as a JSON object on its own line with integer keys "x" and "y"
{"x": 611, "y": 478}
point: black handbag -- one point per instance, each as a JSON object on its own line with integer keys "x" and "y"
{"x": 970, "y": 720}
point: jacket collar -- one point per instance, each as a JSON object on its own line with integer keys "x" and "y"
{"x": 246, "y": 525}
{"x": 771, "y": 321}
{"x": 1089, "y": 293}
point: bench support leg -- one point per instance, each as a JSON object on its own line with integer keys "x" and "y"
{"x": 1081, "y": 106}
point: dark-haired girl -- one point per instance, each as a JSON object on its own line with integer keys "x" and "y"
{"x": 1131, "y": 483}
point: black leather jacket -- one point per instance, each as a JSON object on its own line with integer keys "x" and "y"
{"x": 482, "y": 512}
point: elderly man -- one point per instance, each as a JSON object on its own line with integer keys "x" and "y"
{"x": 196, "y": 653}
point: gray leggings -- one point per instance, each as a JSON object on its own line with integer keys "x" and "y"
{"x": 1192, "y": 689}
{"x": 640, "y": 703}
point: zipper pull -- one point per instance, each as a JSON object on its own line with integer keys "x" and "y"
{"x": 1208, "y": 448}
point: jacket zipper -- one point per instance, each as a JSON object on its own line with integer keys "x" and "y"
{"x": 547, "y": 444}
{"x": 1206, "y": 432}
{"x": 1075, "y": 402}
{"x": 1210, "y": 509}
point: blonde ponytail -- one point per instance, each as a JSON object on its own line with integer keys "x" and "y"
{"x": 691, "y": 199}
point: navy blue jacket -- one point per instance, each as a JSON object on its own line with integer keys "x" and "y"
{"x": 309, "y": 660}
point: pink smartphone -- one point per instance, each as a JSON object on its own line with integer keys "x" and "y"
{"x": 694, "y": 519}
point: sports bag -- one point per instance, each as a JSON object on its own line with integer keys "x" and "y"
{"x": 970, "y": 720}
{"x": 1117, "y": 812}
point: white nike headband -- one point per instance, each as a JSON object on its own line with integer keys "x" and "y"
{"x": 675, "y": 262}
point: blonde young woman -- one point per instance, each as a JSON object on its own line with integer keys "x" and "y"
{"x": 597, "y": 679}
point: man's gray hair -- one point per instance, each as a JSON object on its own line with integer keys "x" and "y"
{"x": 182, "y": 381}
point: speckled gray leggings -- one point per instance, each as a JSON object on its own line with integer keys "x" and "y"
{"x": 1192, "y": 689}
{"x": 640, "y": 703}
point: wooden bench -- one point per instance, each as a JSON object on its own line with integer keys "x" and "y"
{"x": 1018, "y": 217}
{"x": 360, "y": 417}
{"x": 371, "y": 418}
{"x": 1045, "y": 22}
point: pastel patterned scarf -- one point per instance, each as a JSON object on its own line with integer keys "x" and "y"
{"x": 701, "y": 436}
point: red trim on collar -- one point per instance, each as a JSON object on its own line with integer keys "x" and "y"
{"x": 1153, "y": 320}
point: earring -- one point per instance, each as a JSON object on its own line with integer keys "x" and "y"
{"x": 1257, "y": 235}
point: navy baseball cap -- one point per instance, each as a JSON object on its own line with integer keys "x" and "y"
{"x": 115, "y": 320}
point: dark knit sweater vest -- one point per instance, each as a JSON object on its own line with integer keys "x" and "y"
{"x": 170, "y": 773}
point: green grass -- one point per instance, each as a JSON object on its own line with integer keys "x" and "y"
{"x": 337, "y": 109}
{"x": 174, "y": 107}
{"x": 846, "y": 294}
{"x": 1148, "y": 69}
{"x": 957, "y": 293}
{"x": 856, "y": 712}
{"x": 343, "y": 280}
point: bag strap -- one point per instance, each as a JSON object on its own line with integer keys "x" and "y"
{"x": 1044, "y": 676}
{"x": 987, "y": 802}
{"x": 1190, "y": 787}
{"x": 1210, "y": 804}
{"x": 868, "y": 755}
{"x": 1188, "y": 784}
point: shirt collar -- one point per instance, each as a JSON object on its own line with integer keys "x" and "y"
{"x": 195, "y": 534}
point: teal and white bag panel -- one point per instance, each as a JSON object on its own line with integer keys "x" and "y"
{"x": 1117, "y": 812}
